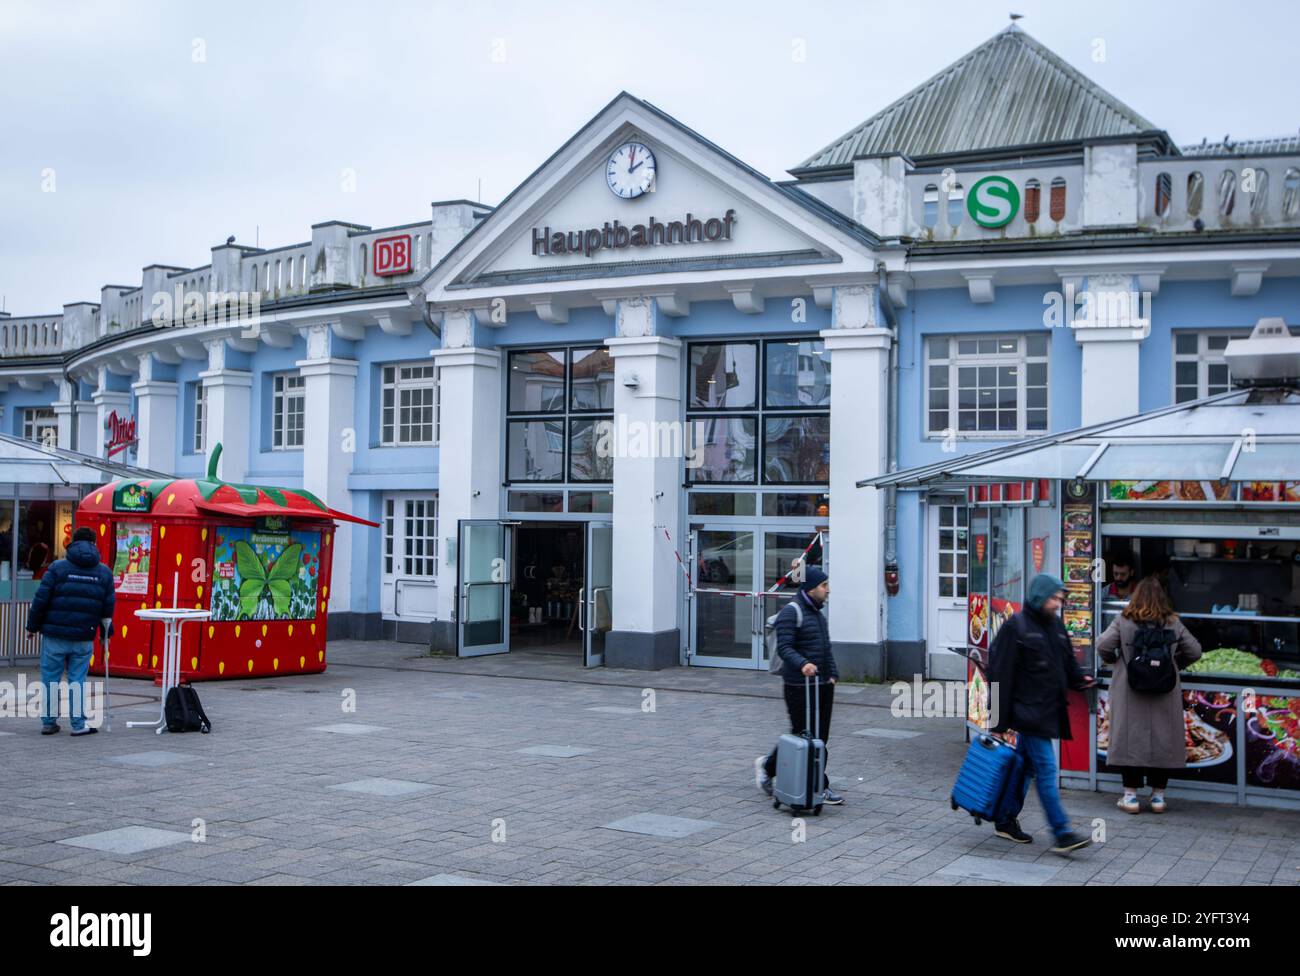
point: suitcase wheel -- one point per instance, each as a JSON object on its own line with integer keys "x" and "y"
{"x": 817, "y": 810}
{"x": 977, "y": 821}
{"x": 776, "y": 804}
{"x": 953, "y": 802}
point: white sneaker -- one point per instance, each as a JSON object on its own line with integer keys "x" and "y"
{"x": 761, "y": 779}
{"x": 1158, "y": 803}
{"x": 1129, "y": 803}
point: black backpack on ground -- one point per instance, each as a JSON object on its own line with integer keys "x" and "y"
{"x": 1151, "y": 667}
{"x": 185, "y": 711}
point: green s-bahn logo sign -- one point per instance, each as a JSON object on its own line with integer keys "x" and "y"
{"x": 993, "y": 201}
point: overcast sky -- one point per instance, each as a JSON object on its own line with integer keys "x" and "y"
{"x": 167, "y": 127}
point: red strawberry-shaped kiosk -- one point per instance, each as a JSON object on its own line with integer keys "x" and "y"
{"x": 257, "y": 557}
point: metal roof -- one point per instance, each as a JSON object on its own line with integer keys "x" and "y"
{"x": 1240, "y": 435}
{"x": 1244, "y": 147}
{"x": 1009, "y": 91}
{"x": 27, "y": 462}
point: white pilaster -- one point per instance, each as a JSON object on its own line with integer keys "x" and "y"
{"x": 155, "y": 402}
{"x": 108, "y": 402}
{"x": 228, "y": 394}
{"x": 469, "y": 475}
{"x": 647, "y": 398}
{"x": 1110, "y": 321}
{"x": 65, "y": 414}
{"x": 330, "y": 390}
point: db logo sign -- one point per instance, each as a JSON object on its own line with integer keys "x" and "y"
{"x": 392, "y": 255}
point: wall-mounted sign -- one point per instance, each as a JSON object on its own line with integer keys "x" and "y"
{"x": 121, "y": 434}
{"x": 993, "y": 202}
{"x": 391, "y": 255}
{"x": 615, "y": 235}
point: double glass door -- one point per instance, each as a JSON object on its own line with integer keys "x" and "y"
{"x": 734, "y": 574}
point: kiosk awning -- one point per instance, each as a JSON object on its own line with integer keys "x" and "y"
{"x": 27, "y": 462}
{"x": 1241, "y": 435}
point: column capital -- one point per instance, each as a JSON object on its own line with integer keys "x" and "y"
{"x": 327, "y": 367}
{"x": 226, "y": 377}
{"x": 649, "y": 345}
{"x": 872, "y": 338}
{"x": 154, "y": 388}
{"x": 466, "y": 356}
{"x": 854, "y": 306}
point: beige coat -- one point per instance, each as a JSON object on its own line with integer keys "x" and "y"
{"x": 1145, "y": 730}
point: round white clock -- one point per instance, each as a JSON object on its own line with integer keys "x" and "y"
{"x": 630, "y": 171}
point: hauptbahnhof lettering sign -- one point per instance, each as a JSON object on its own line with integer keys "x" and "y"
{"x": 616, "y": 235}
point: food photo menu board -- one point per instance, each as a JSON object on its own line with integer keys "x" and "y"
{"x": 1078, "y": 555}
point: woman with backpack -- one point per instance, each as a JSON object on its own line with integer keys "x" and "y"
{"x": 1147, "y": 645}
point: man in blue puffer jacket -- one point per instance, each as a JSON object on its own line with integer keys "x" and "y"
{"x": 73, "y": 600}
{"x": 805, "y": 649}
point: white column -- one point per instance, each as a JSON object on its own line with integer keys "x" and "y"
{"x": 156, "y": 416}
{"x": 469, "y": 466}
{"x": 1110, "y": 323}
{"x": 227, "y": 396}
{"x": 108, "y": 402}
{"x": 859, "y": 355}
{"x": 330, "y": 390}
{"x": 646, "y": 578}
{"x": 65, "y": 414}
{"x": 84, "y": 416}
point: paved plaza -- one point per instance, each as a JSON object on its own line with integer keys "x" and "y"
{"x": 527, "y": 769}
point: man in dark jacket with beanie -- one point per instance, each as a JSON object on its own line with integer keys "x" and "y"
{"x": 805, "y": 650}
{"x": 74, "y": 598}
{"x": 1031, "y": 667}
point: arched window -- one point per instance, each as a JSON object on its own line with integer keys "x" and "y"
{"x": 1164, "y": 193}
{"x": 1056, "y": 201}
{"x": 930, "y": 205}
{"x": 956, "y": 205}
{"x": 1227, "y": 192}
{"x": 1195, "y": 193}
{"x": 1033, "y": 201}
{"x": 1259, "y": 199}
{"x": 1291, "y": 192}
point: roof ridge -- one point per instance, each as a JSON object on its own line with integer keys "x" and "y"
{"x": 1028, "y": 46}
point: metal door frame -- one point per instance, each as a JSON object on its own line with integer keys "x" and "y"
{"x": 462, "y": 588}
{"x": 587, "y": 606}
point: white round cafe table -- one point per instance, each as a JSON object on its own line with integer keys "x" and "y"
{"x": 173, "y": 618}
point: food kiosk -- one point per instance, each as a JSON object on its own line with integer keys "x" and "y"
{"x": 257, "y": 557}
{"x": 1206, "y": 497}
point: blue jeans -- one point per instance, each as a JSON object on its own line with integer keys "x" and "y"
{"x": 57, "y": 654}
{"x": 1040, "y": 763}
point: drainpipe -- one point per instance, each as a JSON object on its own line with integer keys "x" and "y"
{"x": 891, "y": 493}
{"x": 416, "y": 296}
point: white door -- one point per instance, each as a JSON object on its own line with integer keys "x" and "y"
{"x": 946, "y": 631}
{"x": 409, "y": 578}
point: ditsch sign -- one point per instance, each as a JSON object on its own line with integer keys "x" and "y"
{"x": 392, "y": 255}
{"x": 121, "y": 433}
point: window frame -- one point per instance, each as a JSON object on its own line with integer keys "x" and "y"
{"x": 390, "y": 432}
{"x": 198, "y": 434}
{"x": 1203, "y": 357}
{"x": 282, "y": 393}
{"x": 954, "y": 361}
{"x": 758, "y": 414}
{"x": 37, "y": 419}
{"x": 566, "y": 416}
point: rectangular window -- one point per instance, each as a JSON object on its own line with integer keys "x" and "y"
{"x": 409, "y": 405}
{"x": 1199, "y": 367}
{"x": 951, "y": 549}
{"x": 289, "y": 408}
{"x": 41, "y": 426}
{"x": 420, "y": 536}
{"x": 750, "y": 425}
{"x": 559, "y": 405}
{"x": 986, "y": 386}
{"x": 199, "y": 433}
{"x": 389, "y": 531}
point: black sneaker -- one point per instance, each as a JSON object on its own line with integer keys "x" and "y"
{"x": 85, "y": 730}
{"x": 831, "y": 798}
{"x": 1011, "y": 831}
{"x": 1069, "y": 841}
{"x": 50, "y": 729}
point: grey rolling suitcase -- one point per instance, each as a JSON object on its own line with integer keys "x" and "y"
{"x": 801, "y": 761}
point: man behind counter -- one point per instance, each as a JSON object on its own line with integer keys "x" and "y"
{"x": 1122, "y": 577}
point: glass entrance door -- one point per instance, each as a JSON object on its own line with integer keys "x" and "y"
{"x": 734, "y": 575}
{"x": 597, "y": 603}
{"x": 483, "y": 596}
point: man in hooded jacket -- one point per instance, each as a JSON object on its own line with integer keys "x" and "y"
{"x": 73, "y": 601}
{"x": 1031, "y": 668}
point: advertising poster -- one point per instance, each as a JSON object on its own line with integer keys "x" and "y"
{"x": 265, "y": 575}
{"x": 1272, "y": 741}
{"x": 1078, "y": 553}
{"x": 131, "y": 558}
{"x": 1209, "y": 731}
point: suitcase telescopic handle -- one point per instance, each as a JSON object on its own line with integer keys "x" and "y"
{"x": 812, "y": 714}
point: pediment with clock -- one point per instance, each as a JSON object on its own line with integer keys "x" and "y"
{"x": 636, "y": 198}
